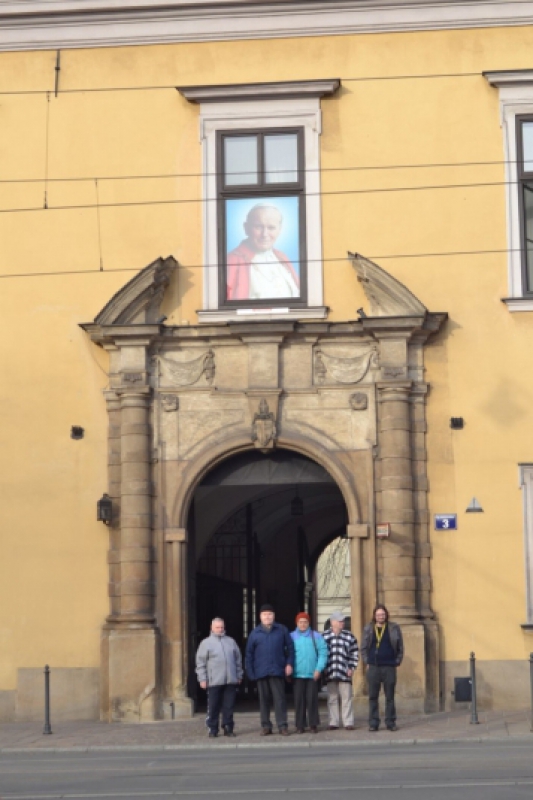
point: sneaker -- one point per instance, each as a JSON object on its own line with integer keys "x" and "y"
{"x": 349, "y": 728}
{"x": 266, "y": 732}
{"x": 229, "y": 732}
{"x": 373, "y": 728}
{"x": 213, "y": 734}
{"x": 392, "y": 727}
{"x": 333, "y": 728}
{"x": 283, "y": 732}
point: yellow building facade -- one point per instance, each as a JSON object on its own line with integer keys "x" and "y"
{"x": 135, "y": 143}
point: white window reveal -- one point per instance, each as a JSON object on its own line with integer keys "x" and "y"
{"x": 516, "y": 112}
{"x": 262, "y": 211}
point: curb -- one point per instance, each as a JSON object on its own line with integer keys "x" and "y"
{"x": 165, "y": 748}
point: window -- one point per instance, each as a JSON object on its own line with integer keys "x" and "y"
{"x": 516, "y": 116}
{"x": 262, "y": 218}
{"x": 524, "y": 130}
{"x": 262, "y": 212}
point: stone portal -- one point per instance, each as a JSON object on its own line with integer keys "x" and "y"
{"x": 348, "y": 397}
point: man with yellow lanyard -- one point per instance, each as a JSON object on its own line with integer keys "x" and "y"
{"x": 382, "y": 653}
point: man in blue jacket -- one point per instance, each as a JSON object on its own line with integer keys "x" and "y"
{"x": 269, "y": 660}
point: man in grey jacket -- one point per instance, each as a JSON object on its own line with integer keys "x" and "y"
{"x": 219, "y": 670}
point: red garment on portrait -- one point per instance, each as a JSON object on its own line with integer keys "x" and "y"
{"x": 238, "y": 271}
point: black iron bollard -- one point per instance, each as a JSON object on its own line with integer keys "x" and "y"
{"x": 473, "y": 719}
{"x": 172, "y": 710}
{"x": 531, "y": 685}
{"x": 47, "y": 727}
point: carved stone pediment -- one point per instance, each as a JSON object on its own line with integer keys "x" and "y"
{"x": 387, "y": 296}
{"x": 140, "y": 299}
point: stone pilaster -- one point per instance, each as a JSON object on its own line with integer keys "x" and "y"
{"x": 130, "y": 646}
{"x": 176, "y": 639}
{"x": 136, "y": 582}
{"x": 397, "y": 554}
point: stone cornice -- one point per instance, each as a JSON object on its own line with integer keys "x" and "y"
{"x": 50, "y": 24}
{"x": 510, "y": 78}
{"x": 281, "y": 90}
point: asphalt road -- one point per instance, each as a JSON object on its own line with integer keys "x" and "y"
{"x": 464, "y": 771}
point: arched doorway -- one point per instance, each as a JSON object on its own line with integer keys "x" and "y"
{"x": 255, "y": 522}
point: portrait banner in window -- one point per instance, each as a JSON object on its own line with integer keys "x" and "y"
{"x": 263, "y": 248}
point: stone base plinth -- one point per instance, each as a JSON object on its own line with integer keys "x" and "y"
{"x": 183, "y": 708}
{"x": 130, "y": 670}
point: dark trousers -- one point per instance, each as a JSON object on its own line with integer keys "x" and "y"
{"x": 375, "y": 677}
{"x": 272, "y": 690}
{"x": 220, "y": 698}
{"x": 306, "y": 702}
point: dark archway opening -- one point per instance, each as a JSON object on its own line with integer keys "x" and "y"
{"x": 257, "y": 525}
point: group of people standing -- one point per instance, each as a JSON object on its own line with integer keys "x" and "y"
{"x": 305, "y": 658}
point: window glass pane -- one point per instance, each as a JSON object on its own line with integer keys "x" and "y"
{"x": 263, "y": 241}
{"x": 240, "y": 160}
{"x": 281, "y": 158}
{"x": 528, "y": 227}
{"x": 527, "y": 140}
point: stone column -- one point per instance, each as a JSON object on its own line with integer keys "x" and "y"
{"x": 398, "y": 581}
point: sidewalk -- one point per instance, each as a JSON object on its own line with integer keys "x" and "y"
{"x": 191, "y": 733}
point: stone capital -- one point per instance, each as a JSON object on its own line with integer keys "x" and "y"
{"x": 176, "y": 535}
{"x": 357, "y": 531}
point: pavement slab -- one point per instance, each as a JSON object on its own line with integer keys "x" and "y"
{"x": 191, "y": 733}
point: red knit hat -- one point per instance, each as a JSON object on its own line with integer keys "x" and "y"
{"x": 303, "y": 615}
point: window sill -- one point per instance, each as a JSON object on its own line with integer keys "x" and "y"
{"x": 518, "y": 303}
{"x": 261, "y": 314}
{"x": 527, "y": 627}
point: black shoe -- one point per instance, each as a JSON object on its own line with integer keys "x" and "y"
{"x": 392, "y": 727}
{"x": 213, "y": 734}
{"x": 373, "y": 728}
{"x": 266, "y": 732}
{"x": 229, "y": 732}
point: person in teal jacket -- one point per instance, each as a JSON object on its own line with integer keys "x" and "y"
{"x": 310, "y": 658}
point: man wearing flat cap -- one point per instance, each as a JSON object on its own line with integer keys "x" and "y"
{"x": 269, "y": 660}
{"x": 343, "y": 657}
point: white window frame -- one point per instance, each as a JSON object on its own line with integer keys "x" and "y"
{"x": 263, "y": 106}
{"x": 516, "y": 99}
{"x": 526, "y": 484}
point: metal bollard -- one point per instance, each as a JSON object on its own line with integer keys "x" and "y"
{"x": 531, "y": 685}
{"x": 172, "y": 710}
{"x": 47, "y": 727}
{"x": 473, "y": 718}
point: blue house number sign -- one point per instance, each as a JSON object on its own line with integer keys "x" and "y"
{"x": 445, "y": 522}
